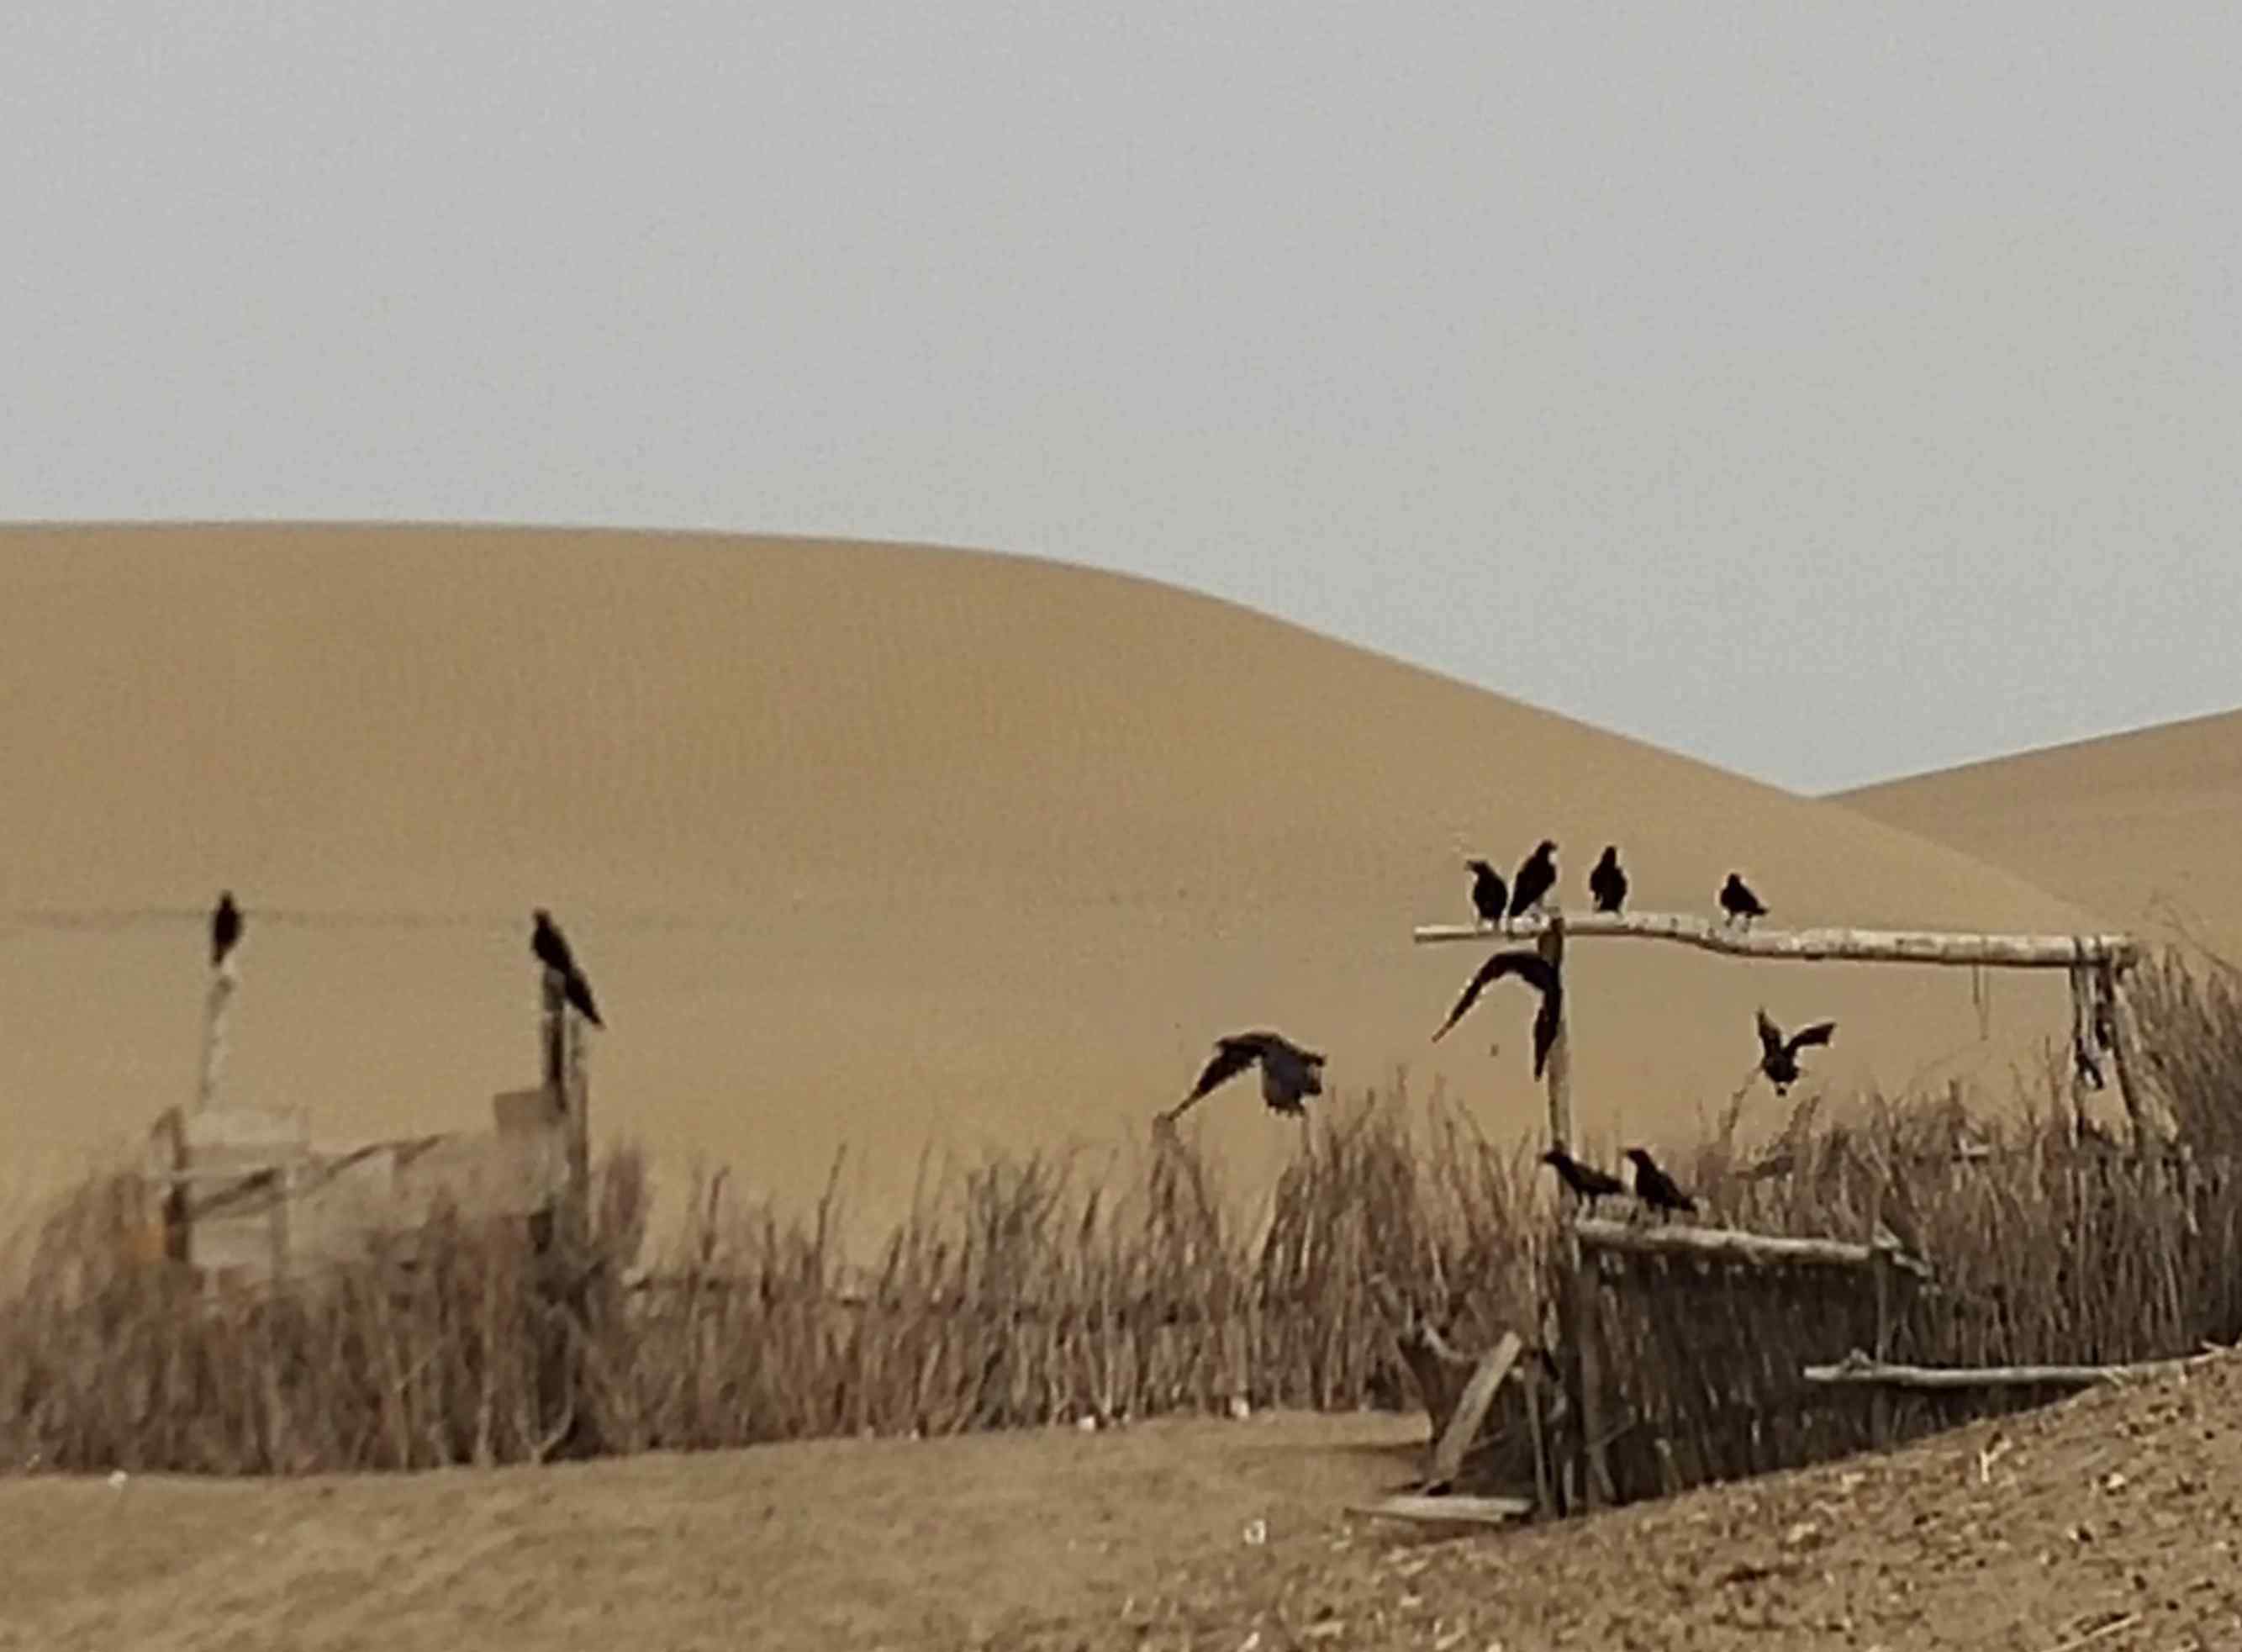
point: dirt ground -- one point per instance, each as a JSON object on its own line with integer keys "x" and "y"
{"x": 2109, "y": 1524}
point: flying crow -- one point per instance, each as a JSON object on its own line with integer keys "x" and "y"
{"x": 1606, "y": 882}
{"x": 1288, "y": 1072}
{"x": 552, "y": 949}
{"x": 1738, "y": 901}
{"x": 225, "y": 928}
{"x": 1536, "y": 971}
{"x": 1779, "y": 1057}
{"x": 1487, "y": 893}
{"x": 1586, "y": 1180}
{"x": 1536, "y": 876}
{"x": 1655, "y": 1188}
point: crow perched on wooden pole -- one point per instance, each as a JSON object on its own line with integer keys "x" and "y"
{"x": 1536, "y": 876}
{"x": 552, "y": 949}
{"x": 1489, "y": 894}
{"x": 1607, "y": 883}
{"x": 226, "y": 929}
{"x": 1739, "y": 902}
{"x": 1288, "y": 1072}
{"x": 1779, "y": 1056}
{"x": 1655, "y": 1188}
{"x": 1586, "y": 1180}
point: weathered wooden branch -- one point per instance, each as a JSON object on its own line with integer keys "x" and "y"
{"x": 1476, "y": 1511}
{"x": 1462, "y": 1427}
{"x": 1860, "y": 946}
{"x": 1733, "y": 1245}
{"x": 1858, "y": 1369}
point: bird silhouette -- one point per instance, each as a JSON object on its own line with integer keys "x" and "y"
{"x": 1738, "y": 901}
{"x": 1606, "y": 882}
{"x": 1586, "y": 1180}
{"x": 1779, "y": 1055}
{"x": 1487, "y": 893}
{"x": 1536, "y": 876}
{"x": 1655, "y": 1188}
{"x": 225, "y": 928}
{"x": 552, "y": 949}
{"x": 1537, "y": 972}
{"x": 1288, "y": 1072}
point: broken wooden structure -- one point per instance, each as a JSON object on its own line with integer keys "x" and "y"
{"x": 1570, "y": 1436}
{"x": 246, "y": 1196}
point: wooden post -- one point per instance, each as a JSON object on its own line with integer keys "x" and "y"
{"x": 1880, "y": 1403}
{"x": 215, "y": 1006}
{"x": 1529, "y": 1376}
{"x": 1579, "y": 1310}
{"x": 566, "y": 1083}
{"x": 2145, "y": 1109}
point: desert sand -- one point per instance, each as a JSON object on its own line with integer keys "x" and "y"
{"x": 2139, "y": 826}
{"x": 877, "y": 847}
{"x": 2113, "y": 1517}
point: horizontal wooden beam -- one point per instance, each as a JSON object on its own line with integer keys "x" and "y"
{"x": 1475, "y": 1511}
{"x": 1858, "y": 1369}
{"x": 1732, "y": 1244}
{"x": 1844, "y": 945}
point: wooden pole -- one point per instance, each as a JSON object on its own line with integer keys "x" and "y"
{"x": 1579, "y": 1308}
{"x": 216, "y": 1005}
{"x": 2145, "y": 1109}
{"x": 1859, "y": 1369}
{"x": 1859, "y": 946}
{"x": 1734, "y": 1244}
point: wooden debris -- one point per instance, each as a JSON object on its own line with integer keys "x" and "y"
{"x": 1861, "y": 946}
{"x": 1464, "y": 1511}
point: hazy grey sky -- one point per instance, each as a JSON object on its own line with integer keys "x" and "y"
{"x": 1824, "y": 391}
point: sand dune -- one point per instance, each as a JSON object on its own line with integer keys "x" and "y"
{"x": 867, "y": 845}
{"x": 2139, "y": 826}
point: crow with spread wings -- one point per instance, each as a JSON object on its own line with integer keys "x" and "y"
{"x": 1537, "y": 972}
{"x": 1288, "y": 1072}
{"x": 1779, "y": 1056}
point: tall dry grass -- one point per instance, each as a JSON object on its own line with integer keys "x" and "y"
{"x": 1025, "y": 1291}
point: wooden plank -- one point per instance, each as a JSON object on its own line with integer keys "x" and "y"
{"x": 1853, "y": 945}
{"x": 1857, "y": 1368}
{"x": 1463, "y": 1511}
{"x": 1471, "y": 1410}
{"x": 1734, "y": 1244}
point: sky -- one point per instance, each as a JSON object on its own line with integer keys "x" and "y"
{"x": 1828, "y": 392}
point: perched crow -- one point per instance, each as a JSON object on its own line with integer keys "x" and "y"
{"x": 1586, "y": 1180}
{"x": 1606, "y": 882}
{"x": 225, "y": 928}
{"x": 1779, "y": 1056}
{"x": 1738, "y": 901}
{"x": 1288, "y": 1072}
{"x": 552, "y": 949}
{"x": 1534, "y": 970}
{"x": 1536, "y": 876}
{"x": 1487, "y": 893}
{"x": 1655, "y": 1188}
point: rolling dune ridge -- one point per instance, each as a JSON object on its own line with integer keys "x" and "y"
{"x": 861, "y": 845}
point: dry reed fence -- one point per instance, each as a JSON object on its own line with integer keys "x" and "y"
{"x": 1024, "y": 1293}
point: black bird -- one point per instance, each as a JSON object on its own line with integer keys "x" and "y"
{"x": 1655, "y": 1188}
{"x": 1606, "y": 882}
{"x": 225, "y": 928}
{"x": 1738, "y": 901}
{"x": 1586, "y": 1180}
{"x": 552, "y": 949}
{"x": 1487, "y": 893}
{"x": 1779, "y": 1056}
{"x": 1536, "y": 971}
{"x": 1536, "y": 876}
{"x": 1288, "y": 1072}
